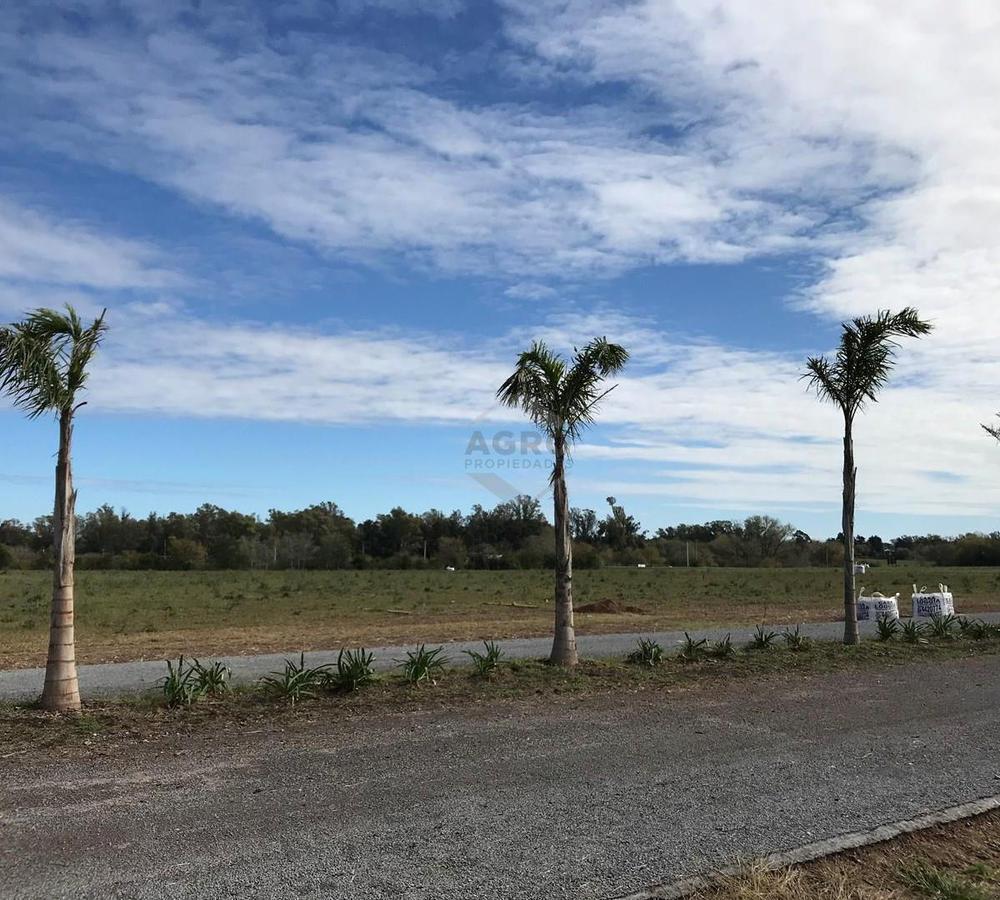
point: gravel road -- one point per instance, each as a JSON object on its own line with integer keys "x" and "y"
{"x": 115, "y": 679}
{"x": 576, "y": 798}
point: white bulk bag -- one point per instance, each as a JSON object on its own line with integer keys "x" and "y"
{"x": 932, "y": 603}
{"x": 871, "y": 609}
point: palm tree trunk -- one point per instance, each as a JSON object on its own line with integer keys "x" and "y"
{"x": 564, "y": 642}
{"x": 62, "y": 690}
{"x": 851, "y": 634}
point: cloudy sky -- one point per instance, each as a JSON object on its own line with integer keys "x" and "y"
{"x": 323, "y": 230}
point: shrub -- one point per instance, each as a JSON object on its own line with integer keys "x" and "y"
{"x": 723, "y": 649}
{"x": 647, "y": 653}
{"x": 887, "y": 627}
{"x": 693, "y": 650}
{"x": 354, "y": 670}
{"x": 914, "y": 632}
{"x": 762, "y": 640}
{"x": 421, "y": 664}
{"x": 943, "y": 627}
{"x": 180, "y": 687}
{"x": 297, "y": 681}
{"x": 485, "y": 664}
{"x": 212, "y": 680}
{"x": 795, "y": 640}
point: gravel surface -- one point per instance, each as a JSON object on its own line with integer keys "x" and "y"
{"x": 115, "y": 679}
{"x": 574, "y": 798}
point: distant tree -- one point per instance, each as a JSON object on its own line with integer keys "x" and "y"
{"x": 561, "y": 399}
{"x": 43, "y": 367}
{"x": 583, "y": 524}
{"x": 859, "y": 370}
{"x": 6, "y": 557}
{"x": 618, "y": 529}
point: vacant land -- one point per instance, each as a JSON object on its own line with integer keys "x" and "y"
{"x": 151, "y": 615}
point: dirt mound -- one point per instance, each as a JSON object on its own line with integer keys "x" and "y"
{"x": 610, "y": 606}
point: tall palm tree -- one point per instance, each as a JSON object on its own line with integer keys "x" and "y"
{"x": 43, "y": 367}
{"x": 858, "y": 371}
{"x": 561, "y": 399}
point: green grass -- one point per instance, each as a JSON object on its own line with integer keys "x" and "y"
{"x": 132, "y": 615}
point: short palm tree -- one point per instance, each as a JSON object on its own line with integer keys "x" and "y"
{"x": 858, "y": 371}
{"x": 561, "y": 399}
{"x": 43, "y": 367}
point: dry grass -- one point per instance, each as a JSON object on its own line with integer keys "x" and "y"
{"x": 153, "y": 615}
{"x": 952, "y": 862}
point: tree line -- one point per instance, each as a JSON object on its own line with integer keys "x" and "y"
{"x": 515, "y": 534}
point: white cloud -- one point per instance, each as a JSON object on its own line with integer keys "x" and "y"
{"x": 369, "y": 156}
{"x": 40, "y": 249}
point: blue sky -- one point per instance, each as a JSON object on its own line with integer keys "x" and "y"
{"x": 324, "y": 229}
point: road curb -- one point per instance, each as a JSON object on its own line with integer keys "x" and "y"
{"x": 672, "y": 890}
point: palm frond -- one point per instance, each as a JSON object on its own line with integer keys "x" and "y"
{"x": 864, "y": 359}
{"x": 44, "y": 359}
{"x": 993, "y": 430}
{"x": 560, "y": 399}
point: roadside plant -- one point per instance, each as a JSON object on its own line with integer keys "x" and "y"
{"x": 43, "y": 369}
{"x": 860, "y": 368}
{"x": 692, "y": 650}
{"x": 943, "y": 627}
{"x": 647, "y": 653}
{"x": 485, "y": 664}
{"x": 296, "y": 681}
{"x": 976, "y": 629}
{"x": 213, "y": 679}
{"x": 180, "y": 685}
{"x": 762, "y": 640}
{"x": 422, "y": 664}
{"x": 561, "y": 399}
{"x": 354, "y": 670}
{"x": 914, "y": 632}
{"x": 795, "y": 640}
{"x": 723, "y": 649}
{"x": 887, "y": 627}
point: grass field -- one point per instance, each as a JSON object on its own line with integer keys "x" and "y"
{"x": 152, "y": 615}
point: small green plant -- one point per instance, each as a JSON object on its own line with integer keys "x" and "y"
{"x": 914, "y": 632}
{"x": 693, "y": 650}
{"x": 180, "y": 687}
{"x": 887, "y": 628}
{"x": 212, "y": 680}
{"x": 796, "y": 641}
{"x": 927, "y": 880}
{"x": 723, "y": 649}
{"x": 421, "y": 664}
{"x": 354, "y": 670}
{"x": 485, "y": 664}
{"x": 762, "y": 640}
{"x": 297, "y": 681}
{"x": 647, "y": 653}
{"x": 943, "y": 627}
{"x": 975, "y": 629}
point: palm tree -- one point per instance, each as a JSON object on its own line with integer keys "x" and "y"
{"x": 43, "y": 367}
{"x": 561, "y": 399}
{"x": 860, "y": 369}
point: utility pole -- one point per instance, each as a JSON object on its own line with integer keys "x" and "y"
{"x": 687, "y": 552}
